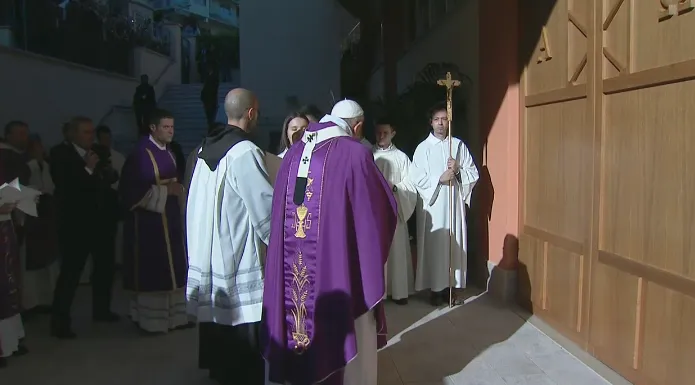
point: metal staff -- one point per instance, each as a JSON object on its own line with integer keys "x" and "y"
{"x": 449, "y": 83}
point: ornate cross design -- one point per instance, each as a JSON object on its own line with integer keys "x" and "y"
{"x": 449, "y": 83}
{"x": 310, "y": 138}
{"x": 305, "y": 160}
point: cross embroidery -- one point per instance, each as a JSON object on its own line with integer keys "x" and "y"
{"x": 305, "y": 160}
{"x": 310, "y": 138}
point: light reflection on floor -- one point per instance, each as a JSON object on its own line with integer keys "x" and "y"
{"x": 479, "y": 343}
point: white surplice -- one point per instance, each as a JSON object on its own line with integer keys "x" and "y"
{"x": 11, "y": 328}
{"x": 433, "y": 213}
{"x": 227, "y": 226}
{"x": 394, "y": 164}
{"x": 38, "y": 285}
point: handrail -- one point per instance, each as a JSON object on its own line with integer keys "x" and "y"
{"x": 352, "y": 37}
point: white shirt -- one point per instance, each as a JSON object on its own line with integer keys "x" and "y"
{"x": 228, "y": 226}
{"x": 40, "y": 177}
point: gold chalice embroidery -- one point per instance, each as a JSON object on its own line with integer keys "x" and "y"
{"x": 302, "y": 221}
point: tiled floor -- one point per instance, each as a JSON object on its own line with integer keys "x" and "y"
{"x": 479, "y": 343}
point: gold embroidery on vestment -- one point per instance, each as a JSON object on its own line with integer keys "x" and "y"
{"x": 302, "y": 221}
{"x": 300, "y": 280}
{"x": 309, "y": 188}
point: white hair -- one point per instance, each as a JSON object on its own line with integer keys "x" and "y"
{"x": 352, "y": 122}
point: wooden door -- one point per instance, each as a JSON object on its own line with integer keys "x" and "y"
{"x": 608, "y": 183}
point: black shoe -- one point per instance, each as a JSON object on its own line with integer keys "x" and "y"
{"x": 189, "y": 325}
{"x": 107, "y": 317}
{"x": 21, "y": 350}
{"x": 402, "y": 301}
{"x": 436, "y": 300}
{"x": 3, "y": 362}
{"x": 63, "y": 333}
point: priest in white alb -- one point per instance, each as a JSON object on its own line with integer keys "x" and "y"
{"x": 394, "y": 164}
{"x": 432, "y": 172}
{"x": 227, "y": 226}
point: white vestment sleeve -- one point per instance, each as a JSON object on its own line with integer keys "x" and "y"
{"x": 406, "y": 192}
{"x": 255, "y": 189}
{"x": 156, "y": 199}
{"x": 419, "y": 175}
{"x": 468, "y": 174}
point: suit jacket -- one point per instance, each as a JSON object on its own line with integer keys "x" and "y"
{"x": 82, "y": 199}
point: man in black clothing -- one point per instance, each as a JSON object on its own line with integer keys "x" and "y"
{"x": 209, "y": 96}
{"x": 83, "y": 175}
{"x": 144, "y": 102}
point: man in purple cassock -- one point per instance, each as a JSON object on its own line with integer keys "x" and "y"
{"x": 333, "y": 221}
{"x": 154, "y": 256}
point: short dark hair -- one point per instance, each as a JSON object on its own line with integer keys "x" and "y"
{"x": 284, "y": 139}
{"x": 14, "y": 124}
{"x": 312, "y": 110}
{"x": 440, "y": 106}
{"x": 385, "y": 121}
{"x": 103, "y": 130}
{"x": 75, "y": 121}
{"x": 158, "y": 114}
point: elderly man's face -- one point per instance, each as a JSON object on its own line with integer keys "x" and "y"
{"x": 358, "y": 128}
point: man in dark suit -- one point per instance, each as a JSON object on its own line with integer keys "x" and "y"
{"x": 82, "y": 175}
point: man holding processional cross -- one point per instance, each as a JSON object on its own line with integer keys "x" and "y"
{"x": 444, "y": 175}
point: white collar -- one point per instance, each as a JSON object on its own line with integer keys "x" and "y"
{"x": 311, "y": 139}
{"x": 434, "y": 140}
{"x": 159, "y": 146}
{"x": 340, "y": 122}
{"x": 391, "y": 147}
{"x": 7, "y": 146}
{"x": 80, "y": 151}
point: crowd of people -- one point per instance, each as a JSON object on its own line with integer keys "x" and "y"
{"x": 283, "y": 262}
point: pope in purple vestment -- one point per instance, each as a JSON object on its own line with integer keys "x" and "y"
{"x": 333, "y": 221}
{"x": 154, "y": 257}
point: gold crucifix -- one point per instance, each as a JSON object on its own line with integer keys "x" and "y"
{"x": 449, "y": 83}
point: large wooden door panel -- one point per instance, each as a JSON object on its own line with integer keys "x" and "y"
{"x": 557, "y": 168}
{"x": 608, "y": 183}
{"x": 646, "y": 223}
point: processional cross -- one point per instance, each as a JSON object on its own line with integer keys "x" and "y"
{"x": 450, "y": 83}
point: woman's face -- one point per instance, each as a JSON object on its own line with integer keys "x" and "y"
{"x": 295, "y": 128}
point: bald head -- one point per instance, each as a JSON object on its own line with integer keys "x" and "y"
{"x": 238, "y": 102}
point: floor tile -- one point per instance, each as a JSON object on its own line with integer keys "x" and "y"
{"x": 479, "y": 343}
{"x": 532, "y": 379}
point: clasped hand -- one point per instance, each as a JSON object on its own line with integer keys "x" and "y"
{"x": 452, "y": 168}
{"x": 7, "y": 208}
{"x": 175, "y": 188}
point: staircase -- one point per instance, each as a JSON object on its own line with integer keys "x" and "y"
{"x": 183, "y": 101}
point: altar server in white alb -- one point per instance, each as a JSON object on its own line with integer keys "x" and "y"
{"x": 228, "y": 225}
{"x": 431, "y": 172}
{"x": 394, "y": 164}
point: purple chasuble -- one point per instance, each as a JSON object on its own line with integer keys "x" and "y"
{"x": 10, "y": 267}
{"x": 154, "y": 256}
{"x": 326, "y": 256}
